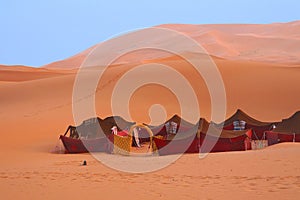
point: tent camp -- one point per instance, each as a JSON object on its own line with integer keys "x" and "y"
{"x": 116, "y": 135}
{"x": 288, "y": 130}
{"x": 257, "y": 126}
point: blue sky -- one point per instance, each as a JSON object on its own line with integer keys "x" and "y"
{"x": 37, "y": 32}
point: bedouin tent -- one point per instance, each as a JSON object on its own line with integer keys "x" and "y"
{"x": 161, "y": 130}
{"x": 257, "y": 126}
{"x": 288, "y": 130}
{"x": 184, "y": 141}
{"x": 182, "y": 125}
{"x": 93, "y": 135}
{"x": 224, "y": 140}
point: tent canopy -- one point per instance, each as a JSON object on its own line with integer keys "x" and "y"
{"x": 241, "y": 115}
{"x": 175, "y": 118}
{"x": 289, "y": 125}
{"x": 215, "y": 131}
{"x": 182, "y": 125}
{"x": 97, "y": 127}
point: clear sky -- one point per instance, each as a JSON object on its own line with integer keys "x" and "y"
{"x": 35, "y": 32}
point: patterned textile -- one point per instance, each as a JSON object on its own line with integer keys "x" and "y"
{"x": 122, "y": 144}
{"x": 171, "y": 127}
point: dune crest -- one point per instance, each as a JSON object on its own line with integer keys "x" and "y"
{"x": 272, "y": 43}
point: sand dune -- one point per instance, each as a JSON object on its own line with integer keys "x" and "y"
{"x": 273, "y": 43}
{"x": 265, "y": 91}
{"x": 264, "y": 43}
{"x": 24, "y": 73}
{"x": 36, "y": 107}
{"x": 70, "y": 63}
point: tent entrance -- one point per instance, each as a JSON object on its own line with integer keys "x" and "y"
{"x": 141, "y": 138}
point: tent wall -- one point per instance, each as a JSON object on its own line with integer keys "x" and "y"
{"x": 297, "y": 138}
{"x": 285, "y": 137}
{"x": 278, "y": 137}
{"x": 238, "y": 143}
{"x": 167, "y": 147}
{"x": 223, "y": 144}
{"x": 271, "y": 137}
{"x": 90, "y": 145}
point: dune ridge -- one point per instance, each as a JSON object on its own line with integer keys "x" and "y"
{"x": 272, "y": 43}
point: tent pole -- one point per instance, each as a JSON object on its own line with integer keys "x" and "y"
{"x": 255, "y": 135}
{"x": 294, "y": 139}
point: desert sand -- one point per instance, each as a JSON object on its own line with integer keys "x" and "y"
{"x": 36, "y": 107}
{"x": 272, "y": 173}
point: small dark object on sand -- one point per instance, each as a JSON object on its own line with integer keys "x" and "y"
{"x": 84, "y": 163}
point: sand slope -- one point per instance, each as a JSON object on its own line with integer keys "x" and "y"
{"x": 43, "y": 107}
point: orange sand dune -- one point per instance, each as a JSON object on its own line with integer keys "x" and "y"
{"x": 36, "y": 107}
{"x": 276, "y": 42}
{"x": 70, "y": 63}
{"x": 273, "y": 43}
{"x": 24, "y": 73}
{"x": 44, "y": 106}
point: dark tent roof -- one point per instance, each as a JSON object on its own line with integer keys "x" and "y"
{"x": 204, "y": 127}
{"x": 289, "y": 125}
{"x": 175, "y": 118}
{"x": 107, "y": 123}
{"x": 180, "y": 121}
{"x": 91, "y": 126}
{"x": 215, "y": 131}
{"x": 241, "y": 115}
{"x": 195, "y": 129}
